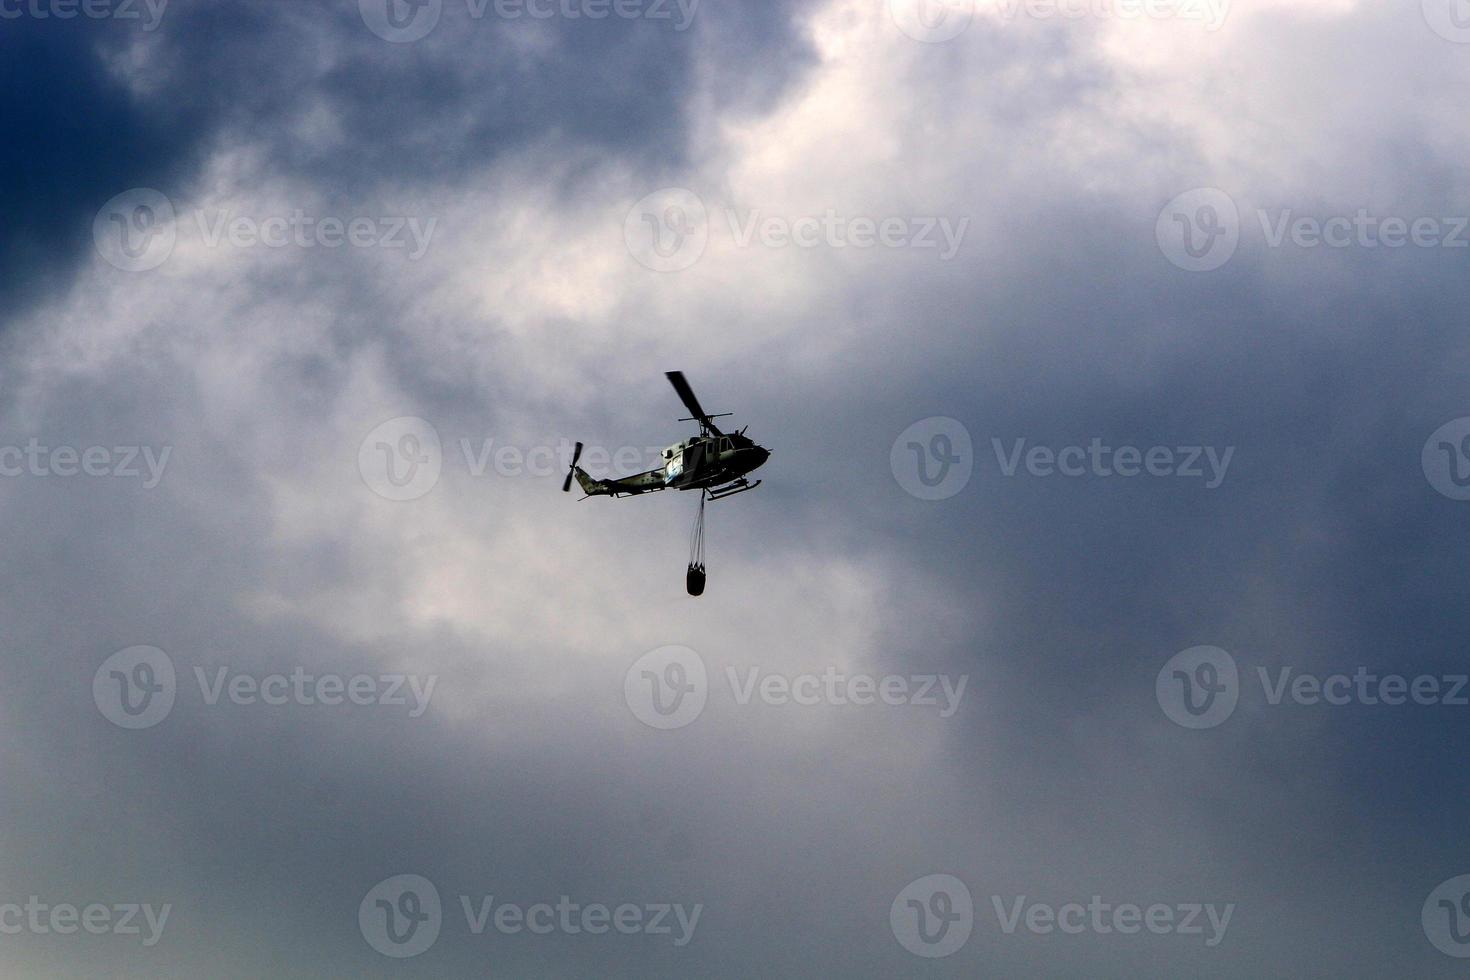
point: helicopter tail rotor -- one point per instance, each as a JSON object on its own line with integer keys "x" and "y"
{"x": 566, "y": 486}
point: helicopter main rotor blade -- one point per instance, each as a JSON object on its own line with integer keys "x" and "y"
{"x": 686, "y": 394}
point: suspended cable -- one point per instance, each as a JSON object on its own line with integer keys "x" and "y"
{"x": 696, "y": 576}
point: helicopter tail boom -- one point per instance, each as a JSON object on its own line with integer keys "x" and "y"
{"x": 590, "y": 487}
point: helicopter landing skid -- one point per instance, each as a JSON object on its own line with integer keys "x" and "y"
{"x": 731, "y": 489}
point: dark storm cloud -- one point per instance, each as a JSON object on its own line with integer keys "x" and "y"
{"x": 475, "y": 88}
{"x": 1324, "y": 548}
{"x": 74, "y": 137}
{"x": 212, "y": 73}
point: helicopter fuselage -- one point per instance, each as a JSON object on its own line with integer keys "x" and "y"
{"x": 712, "y": 462}
{"x": 702, "y": 462}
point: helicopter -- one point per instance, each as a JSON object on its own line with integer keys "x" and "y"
{"x": 715, "y": 463}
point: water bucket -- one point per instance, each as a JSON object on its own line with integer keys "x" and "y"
{"x": 694, "y": 581}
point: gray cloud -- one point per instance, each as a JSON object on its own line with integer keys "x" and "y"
{"x": 794, "y": 828}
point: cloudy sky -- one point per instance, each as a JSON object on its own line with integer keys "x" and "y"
{"x": 1097, "y": 615}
